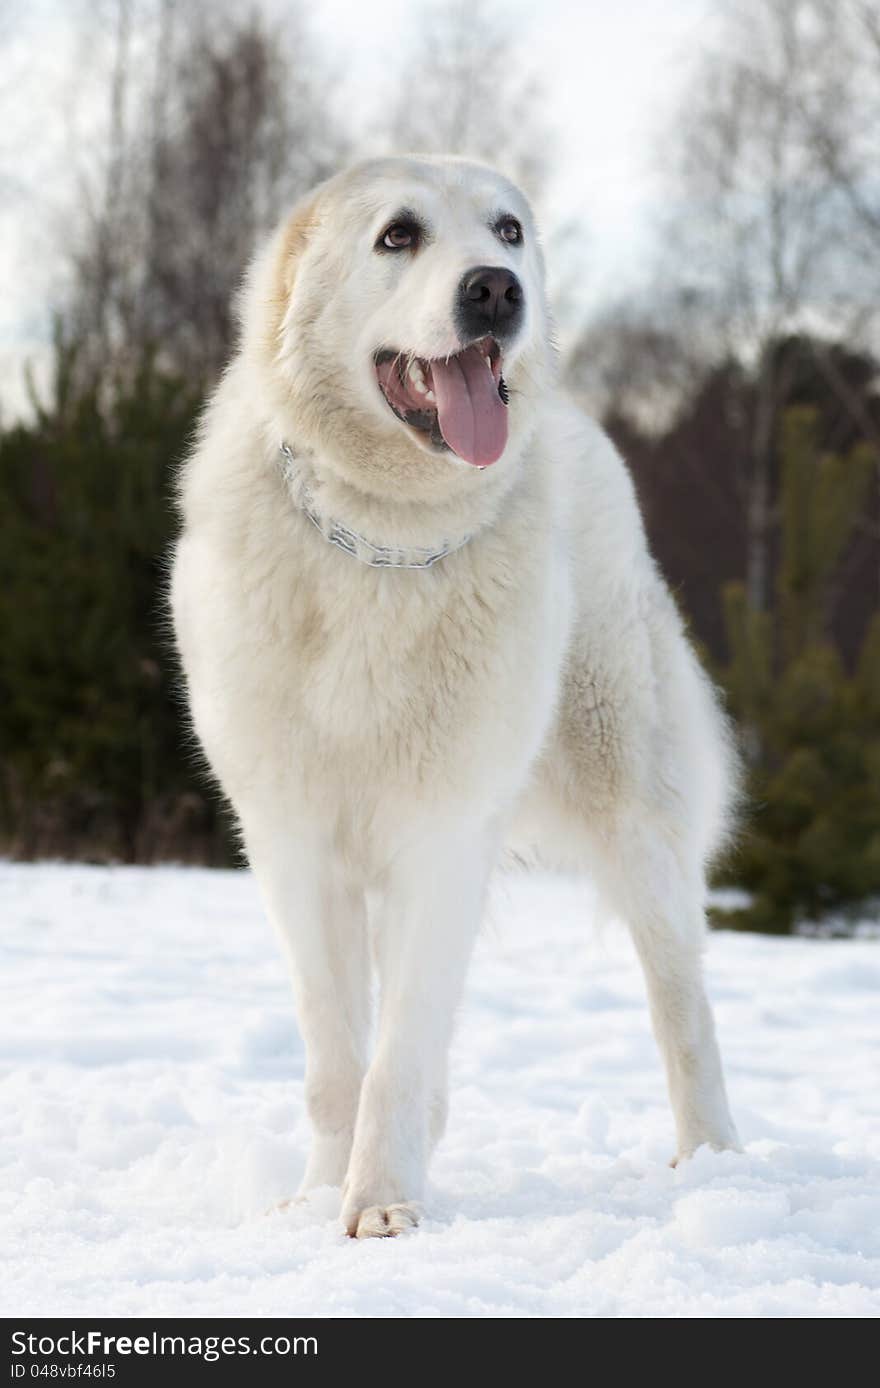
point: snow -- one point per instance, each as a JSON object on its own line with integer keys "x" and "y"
{"x": 152, "y": 1120}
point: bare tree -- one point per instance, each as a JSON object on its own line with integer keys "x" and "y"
{"x": 756, "y": 244}
{"x": 840, "y": 115}
{"x": 464, "y": 90}
{"x": 97, "y": 243}
{"x": 755, "y": 231}
{"x": 208, "y": 142}
{"x": 840, "y": 109}
{"x": 246, "y": 135}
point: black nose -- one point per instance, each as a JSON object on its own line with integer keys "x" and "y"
{"x": 490, "y": 300}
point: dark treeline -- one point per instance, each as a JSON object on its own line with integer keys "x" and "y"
{"x": 743, "y": 392}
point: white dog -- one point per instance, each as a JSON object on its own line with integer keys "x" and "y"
{"x": 418, "y": 621}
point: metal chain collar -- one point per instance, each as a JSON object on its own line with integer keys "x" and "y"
{"x": 376, "y": 556}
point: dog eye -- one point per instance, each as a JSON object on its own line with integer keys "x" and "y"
{"x": 400, "y": 236}
{"x": 509, "y": 230}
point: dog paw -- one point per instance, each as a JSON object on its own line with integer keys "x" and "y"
{"x": 381, "y": 1221}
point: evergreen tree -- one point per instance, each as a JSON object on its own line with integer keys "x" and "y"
{"x": 811, "y": 842}
{"x": 93, "y": 760}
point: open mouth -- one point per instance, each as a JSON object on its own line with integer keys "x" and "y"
{"x": 458, "y": 402}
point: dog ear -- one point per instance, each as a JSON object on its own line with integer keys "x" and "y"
{"x": 293, "y": 242}
{"x": 264, "y": 296}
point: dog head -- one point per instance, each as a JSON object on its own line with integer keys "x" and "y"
{"x": 406, "y": 325}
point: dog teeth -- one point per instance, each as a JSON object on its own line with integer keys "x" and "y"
{"x": 429, "y": 395}
{"x": 417, "y": 377}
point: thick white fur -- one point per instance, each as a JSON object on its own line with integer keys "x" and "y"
{"x": 383, "y": 733}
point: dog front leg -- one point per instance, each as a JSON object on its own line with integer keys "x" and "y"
{"x": 427, "y": 915}
{"x": 321, "y": 920}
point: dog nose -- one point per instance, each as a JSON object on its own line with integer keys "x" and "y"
{"x": 490, "y": 299}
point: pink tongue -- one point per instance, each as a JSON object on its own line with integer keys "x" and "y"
{"x": 471, "y": 414}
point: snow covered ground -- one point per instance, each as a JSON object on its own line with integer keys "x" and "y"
{"x": 152, "y": 1117}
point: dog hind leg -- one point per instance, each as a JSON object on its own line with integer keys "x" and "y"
{"x": 661, "y": 898}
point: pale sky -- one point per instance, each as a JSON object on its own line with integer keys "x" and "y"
{"x": 611, "y": 72}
